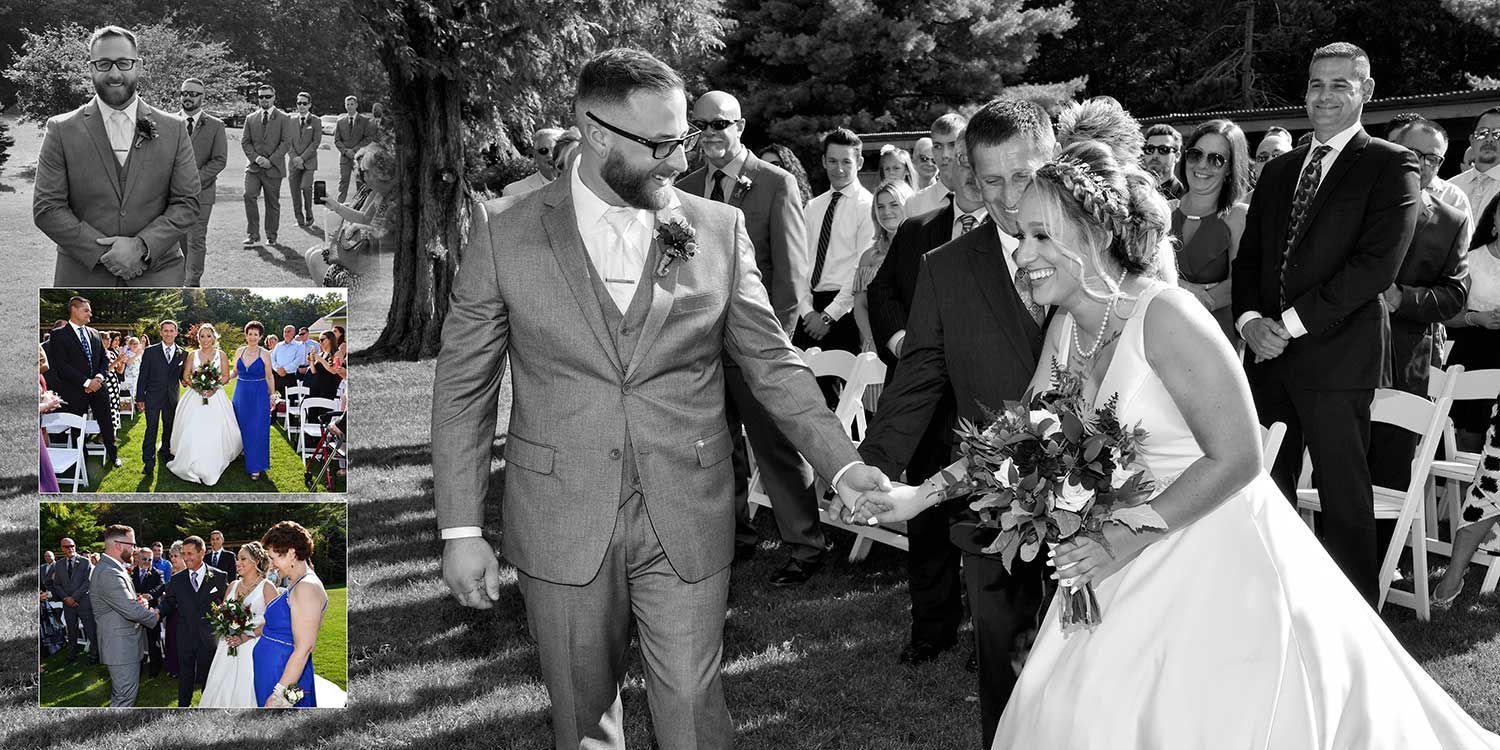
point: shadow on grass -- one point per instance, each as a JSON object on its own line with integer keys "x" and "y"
{"x": 282, "y": 256}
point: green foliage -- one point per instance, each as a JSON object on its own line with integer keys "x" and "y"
{"x": 138, "y": 311}
{"x": 77, "y": 521}
{"x": 51, "y": 77}
{"x": 1482, "y": 13}
{"x": 6, "y": 141}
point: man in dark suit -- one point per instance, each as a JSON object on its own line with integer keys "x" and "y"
{"x": 218, "y": 557}
{"x": 115, "y": 183}
{"x": 932, "y": 562}
{"x": 351, "y": 133}
{"x": 188, "y": 597}
{"x": 306, "y": 135}
{"x": 1431, "y": 287}
{"x": 265, "y": 139}
{"x": 156, "y": 391}
{"x": 148, "y": 582}
{"x": 973, "y": 331}
{"x": 211, "y": 153}
{"x": 768, "y": 197}
{"x": 75, "y": 354}
{"x": 1327, "y": 228}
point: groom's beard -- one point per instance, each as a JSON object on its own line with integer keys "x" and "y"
{"x": 636, "y": 187}
{"x": 115, "y": 97}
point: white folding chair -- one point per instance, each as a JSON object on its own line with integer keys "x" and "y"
{"x": 69, "y": 455}
{"x": 293, "y": 413}
{"x": 1270, "y": 443}
{"x": 1457, "y": 467}
{"x": 833, "y": 363}
{"x": 91, "y": 427}
{"x": 127, "y": 399}
{"x": 311, "y": 429}
{"x": 1425, "y": 418}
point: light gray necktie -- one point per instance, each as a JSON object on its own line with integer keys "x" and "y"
{"x": 195, "y": 581}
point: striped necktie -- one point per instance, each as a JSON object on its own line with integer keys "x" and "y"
{"x": 1307, "y": 187}
{"x": 823, "y": 237}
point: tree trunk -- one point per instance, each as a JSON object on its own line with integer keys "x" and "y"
{"x": 430, "y": 223}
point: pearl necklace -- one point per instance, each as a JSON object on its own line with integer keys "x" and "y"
{"x": 1085, "y": 356}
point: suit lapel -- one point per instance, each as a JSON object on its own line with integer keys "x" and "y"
{"x": 562, "y": 235}
{"x": 661, "y": 300}
{"x": 93, "y": 122}
{"x": 1341, "y": 167}
{"x": 998, "y": 288}
{"x": 134, "y": 167}
{"x": 747, "y": 173}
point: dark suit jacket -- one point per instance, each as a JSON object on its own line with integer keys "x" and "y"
{"x": 223, "y": 560}
{"x": 271, "y": 140}
{"x": 191, "y": 608}
{"x": 1355, "y": 233}
{"x": 80, "y": 196}
{"x": 211, "y": 152}
{"x": 159, "y": 382}
{"x": 890, "y": 293}
{"x": 968, "y": 331}
{"x": 148, "y": 583}
{"x": 773, "y": 216}
{"x": 1434, "y": 285}
{"x": 69, "y": 369}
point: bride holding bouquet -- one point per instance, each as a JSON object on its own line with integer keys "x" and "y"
{"x": 205, "y": 433}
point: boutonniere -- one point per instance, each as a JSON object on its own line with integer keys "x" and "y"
{"x": 678, "y": 241}
{"x": 145, "y": 130}
{"x": 742, "y": 185}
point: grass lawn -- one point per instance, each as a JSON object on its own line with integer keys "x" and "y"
{"x": 77, "y": 683}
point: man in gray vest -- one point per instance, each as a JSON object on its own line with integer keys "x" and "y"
{"x": 121, "y": 616}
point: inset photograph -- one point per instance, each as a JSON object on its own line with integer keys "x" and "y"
{"x": 201, "y": 605}
{"x": 193, "y": 390}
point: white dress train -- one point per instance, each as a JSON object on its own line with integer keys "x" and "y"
{"x": 231, "y": 679}
{"x": 1236, "y": 631}
{"x": 205, "y": 437}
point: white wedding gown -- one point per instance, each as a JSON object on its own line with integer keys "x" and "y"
{"x": 1237, "y": 631}
{"x": 205, "y": 437}
{"x": 231, "y": 679}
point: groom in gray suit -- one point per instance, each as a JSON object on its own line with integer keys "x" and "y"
{"x": 618, "y": 502}
{"x": 120, "y": 618}
{"x": 116, "y": 185}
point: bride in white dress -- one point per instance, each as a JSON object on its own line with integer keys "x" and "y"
{"x": 231, "y": 679}
{"x": 1233, "y": 628}
{"x": 205, "y": 437}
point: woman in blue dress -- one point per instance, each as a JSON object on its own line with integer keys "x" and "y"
{"x": 283, "y": 655}
{"x": 252, "y": 400}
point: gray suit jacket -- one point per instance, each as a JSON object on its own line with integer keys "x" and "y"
{"x": 61, "y": 584}
{"x": 772, "y": 205}
{"x": 211, "y": 150}
{"x": 524, "y": 290}
{"x": 120, "y": 621}
{"x": 351, "y": 135}
{"x": 79, "y": 197}
{"x": 269, "y": 139}
{"x": 305, "y": 140}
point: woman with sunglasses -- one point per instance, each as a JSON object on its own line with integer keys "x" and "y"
{"x": 1209, "y": 218}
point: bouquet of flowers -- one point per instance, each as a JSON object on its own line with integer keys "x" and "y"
{"x": 206, "y": 378}
{"x": 231, "y": 618}
{"x": 1049, "y": 468}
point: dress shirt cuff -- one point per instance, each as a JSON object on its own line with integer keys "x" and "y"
{"x": 461, "y": 532}
{"x": 895, "y": 341}
{"x": 1292, "y": 322}
{"x": 1239, "y": 325}
{"x": 840, "y": 475}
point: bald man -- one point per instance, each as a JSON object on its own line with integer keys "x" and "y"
{"x": 768, "y": 197}
{"x": 927, "y": 168}
{"x": 542, "y": 145}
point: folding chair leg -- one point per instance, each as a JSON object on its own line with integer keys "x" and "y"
{"x": 1492, "y": 578}
{"x": 861, "y": 548}
{"x": 1419, "y": 572}
{"x": 1307, "y": 518}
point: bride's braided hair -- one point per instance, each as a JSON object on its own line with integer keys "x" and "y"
{"x": 1121, "y": 203}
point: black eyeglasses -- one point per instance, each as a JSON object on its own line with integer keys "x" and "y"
{"x": 719, "y": 124}
{"x": 124, "y": 63}
{"x": 1431, "y": 160}
{"x": 1195, "y": 154}
{"x": 304, "y": 104}
{"x": 659, "y": 149}
{"x": 1150, "y": 149}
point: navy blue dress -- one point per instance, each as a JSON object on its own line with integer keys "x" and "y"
{"x": 252, "y": 407}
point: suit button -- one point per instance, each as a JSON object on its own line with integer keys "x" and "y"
{"x": 614, "y": 455}
{"x": 625, "y": 330}
{"x": 625, "y": 389}
{"x": 122, "y": 212}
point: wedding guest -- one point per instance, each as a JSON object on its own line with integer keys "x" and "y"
{"x": 565, "y": 153}
{"x": 217, "y": 557}
{"x": 45, "y": 568}
{"x": 1163, "y": 146}
{"x": 186, "y": 601}
{"x": 350, "y": 253}
{"x": 252, "y": 402}
{"x": 1306, "y": 298}
{"x": 210, "y": 153}
{"x": 1476, "y": 331}
{"x": 133, "y": 351}
{"x": 114, "y": 373}
{"x": 768, "y": 198}
{"x": 69, "y": 584}
{"x": 156, "y": 394}
{"x": 839, "y": 228}
{"x": 53, "y": 631}
{"x": 921, "y": 154}
{"x": 122, "y": 619}
{"x": 1274, "y": 143}
{"x": 149, "y": 583}
{"x": 1480, "y": 512}
{"x": 176, "y": 565}
{"x": 778, "y": 155}
{"x": 1481, "y": 182}
{"x": 271, "y": 342}
{"x": 543, "y": 143}
{"x": 265, "y": 139}
{"x": 377, "y": 119}
{"x": 305, "y": 132}
{"x": 896, "y": 164}
{"x": 307, "y": 346}
{"x": 888, "y": 210}
{"x": 76, "y": 355}
{"x": 326, "y": 374}
{"x": 945, "y": 130}
{"x": 339, "y": 332}
{"x": 287, "y": 360}
{"x": 1102, "y": 119}
{"x": 107, "y": 236}
{"x": 351, "y": 133}
{"x": 1209, "y": 219}
{"x": 160, "y": 560}
{"x": 47, "y": 401}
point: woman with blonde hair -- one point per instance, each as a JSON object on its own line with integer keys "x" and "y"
{"x": 888, "y": 210}
{"x": 231, "y": 677}
{"x": 896, "y": 165}
{"x": 205, "y": 432}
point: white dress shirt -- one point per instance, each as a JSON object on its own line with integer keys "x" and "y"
{"x": 617, "y": 238}
{"x": 119, "y": 124}
{"x": 731, "y": 172}
{"x": 1290, "y": 320}
{"x": 533, "y": 181}
{"x": 928, "y": 199}
{"x": 1480, "y": 186}
{"x": 852, "y": 233}
{"x": 1450, "y": 194}
{"x": 79, "y": 332}
{"x": 196, "y": 119}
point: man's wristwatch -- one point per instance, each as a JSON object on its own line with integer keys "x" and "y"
{"x": 1469, "y": 318}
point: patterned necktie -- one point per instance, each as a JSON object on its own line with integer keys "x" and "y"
{"x": 965, "y": 223}
{"x": 823, "y": 237}
{"x": 1307, "y": 187}
{"x": 718, "y": 192}
{"x": 195, "y": 581}
{"x": 1023, "y": 288}
{"x": 88, "y": 351}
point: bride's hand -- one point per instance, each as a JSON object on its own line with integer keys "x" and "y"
{"x": 1083, "y": 560}
{"x": 901, "y": 503}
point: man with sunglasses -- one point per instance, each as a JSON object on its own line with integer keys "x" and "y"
{"x": 1276, "y": 142}
{"x": 618, "y": 505}
{"x": 772, "y": 205}
{"x": 121, "y": 615}
{"x": 69, "y": 584}
{"x": 939, "y": 194}
{"x": 1159, "y": 157}
{"x": 927, "y": 167}
{"x": 306, "y": 136}
{"x": 266, "y": 139}
{"x": 352, "y": 132}
{"x": 543, "y": 148}
{"x": 210, "y": 152}
{"x": 1482, "y": 181}
{"x": 116, "y": 185}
